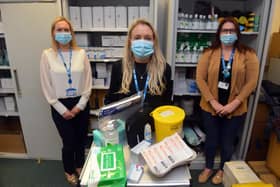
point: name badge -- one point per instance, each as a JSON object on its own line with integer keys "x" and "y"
{"x": 70, "y": 92}
{"x": 223, "y": 85}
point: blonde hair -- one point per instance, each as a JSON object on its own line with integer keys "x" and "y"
{"x": 155, "y": 67}
{"x": 73, "y": 42}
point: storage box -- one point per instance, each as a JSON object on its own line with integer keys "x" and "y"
{"x": 133, "y": 13}
{"x": 98, "y": 16}
{"x": 10, "y": 103}
{"x": 12, "y": 143}
{"x": 121, "y": 17}
{"x": 273, "y": 160}
{"x": 144, "y": 12}
{"x": 75, "y": 16}
{"x": 274, "y": 49}
{"x": 238, "y": 172}
{"x": 110, "y": 17}
{"x": 259, "y": 167}
{"x": 82, "y": 39}
{"x": 86, "y": 17}
{"x": 270, "y": 179}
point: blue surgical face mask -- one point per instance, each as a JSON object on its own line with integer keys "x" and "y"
{"x": 228, "y": 39}
{"x": 142, "y": 48}
{"x": 63, "y": 37}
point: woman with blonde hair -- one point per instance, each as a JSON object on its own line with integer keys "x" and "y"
{"x": 66, "y": 82}
{"x": 143, "y": 70}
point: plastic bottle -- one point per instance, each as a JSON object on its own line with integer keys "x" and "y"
{"x": 195, "y": 22}
{"x": 180, "y": 54}
{"x": 200, "y": 22}
{"x": 148, "y": 133}
{"x": 215, "y": 22}
{"x": 194, "y": 55}
{"x": 186, "y": 21}
{"x": 209, "y": 23}
{"x": 111, "y": 134}
{"x": 188, "y": 55}
{"x": 180, "y": 23}
{"x": 190, "y": 22}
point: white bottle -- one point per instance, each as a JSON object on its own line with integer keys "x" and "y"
{"x": 200, "y": 22}
{"x": 195, "y": 22}
{"x": 190, "y": 22}
{"x": 194, "y": 55}
{"x": 148, "y": 133}
{"x": 180, "y": 54}
{"x": 186, "y": 21}
{"x": 215, "y": 22}
{"x": 209, "y": 23}
{"x": 188, "y": 55}
{"x": 111, "y": 134}
{"x": 181, "y": 20}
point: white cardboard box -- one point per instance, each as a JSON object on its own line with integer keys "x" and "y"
{"x": 82, "y": 39}
{"x": 133, "y": 13}
{"x": 110, "y": 17}
{"x": 75, "y": 16}
{"x": 144, "y": 12}
{"x": 238, "y": 172}
{"x": 98, "y": 16}
{"x": 86, "y": 17}
{"x": 10, "y": 103}
{"x": 121, "y": 17}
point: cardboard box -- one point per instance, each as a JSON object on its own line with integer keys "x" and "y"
{"x": 121, "y": 17}
{"x": 273, "y": 70}
{"x": 238, "y": 172}
{"x": 259, "y": 167}
{"x": 110, "y": 17}
{"x": 12, "y": 143}
{"x": 86, "y": 15}
{"x": 274, "y": 49}
{"x": 273, "y": 161}
{"x": 75, "y": 16}
{"x": 98, "y": 16}
{"x": 82, "y": 39}
{"x": 270, "y": 179}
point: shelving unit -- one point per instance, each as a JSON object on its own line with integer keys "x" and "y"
{"x": 11, "y": 136}
{"x": 257, "y": 40}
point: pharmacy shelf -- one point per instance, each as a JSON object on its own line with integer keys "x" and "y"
{"x": 187, "y": 93}
{"x": 211, "y": 31}
{"x": 107, "y": 60}
{"x": 182, "y": 64}
{"x": 7, "y": 90}
{"x": 100, "y": 29}
{"x": 9, "y": 114}
{"x": 5, "y": 67}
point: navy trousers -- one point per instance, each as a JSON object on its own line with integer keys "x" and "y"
{"x": 221, "y": 132}
{"x": 73, "y": 133}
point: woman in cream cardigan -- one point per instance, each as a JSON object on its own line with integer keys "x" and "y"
{"x": 226, "y": 75}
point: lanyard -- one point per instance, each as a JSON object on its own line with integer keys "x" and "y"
{"x": 137, "y": 86}
{"x": 227, "y": 67}
{"x": 68, "y": 70}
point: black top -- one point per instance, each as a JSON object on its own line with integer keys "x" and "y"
{"x": 224, "y": 94}
{"x": 141, "y": 74}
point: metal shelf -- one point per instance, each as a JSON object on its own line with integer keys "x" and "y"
{"x": 211, "y": 31}
{"x": 98, "y": 87}
{"x": 7, "y": 90}
{"x": 100, "y": 29}
{"x": 8, "y": 114}
{"x": 4, "y": 67}
{"x": 187, "y": 93}
{"x": 106, "y": 60}
{"x": 179, "y": 64}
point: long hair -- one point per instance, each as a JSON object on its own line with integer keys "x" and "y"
{"x": 73, "y": 42}
{"x": 239, "y": 46}
{"x": 155, "y": 66}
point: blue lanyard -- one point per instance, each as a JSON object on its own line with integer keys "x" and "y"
{"x": 226, "y": 69}
{"x": 68, "y": 70}
{"x": 137, "y": 86}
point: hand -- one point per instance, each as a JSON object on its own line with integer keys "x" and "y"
{"x": 216, "y": 105}
{"x": 68, "y": 115}
{"x": 230, "y": 107}
{"x": 75, "y": 110}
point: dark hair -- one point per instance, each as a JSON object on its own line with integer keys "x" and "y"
{"x": 217, "y": 42}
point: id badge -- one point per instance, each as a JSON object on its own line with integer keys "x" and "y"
{"x": 70, "y": 92}
{"x": 223, "y": 85}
